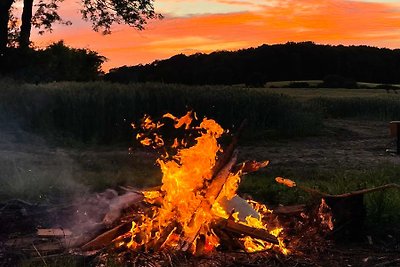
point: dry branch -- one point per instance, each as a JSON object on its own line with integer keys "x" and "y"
{"x": 349, "y": 194}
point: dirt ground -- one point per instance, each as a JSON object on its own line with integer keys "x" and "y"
{"x": 348, "y": 144}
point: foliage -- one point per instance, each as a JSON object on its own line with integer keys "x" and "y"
{"x": 42, "y": 14}
{"x": 104, "y": 13}
{"x": 337, "y": 81}
{"x": 282, "y": 62}
{"x": 46, "y": 15}
{"x": 57, "y": 62}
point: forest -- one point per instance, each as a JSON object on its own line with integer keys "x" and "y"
{"x": 280, "y": 62}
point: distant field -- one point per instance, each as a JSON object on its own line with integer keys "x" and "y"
{"x": 309, "y": 93}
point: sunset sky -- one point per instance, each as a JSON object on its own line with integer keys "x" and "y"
{"x": 207, "y": 25}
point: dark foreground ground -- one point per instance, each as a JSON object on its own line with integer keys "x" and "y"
{"x": 348, "y": 155}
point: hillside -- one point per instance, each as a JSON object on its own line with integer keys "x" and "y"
{"x": 255, "y": 66}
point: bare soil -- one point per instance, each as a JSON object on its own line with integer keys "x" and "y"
{"x": 346, "y": 144}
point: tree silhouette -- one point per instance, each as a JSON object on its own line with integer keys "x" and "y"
{"x": 337, "y": 66}
{"x": 42, "y": 14}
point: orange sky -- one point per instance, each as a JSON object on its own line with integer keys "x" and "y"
{"x": 208, "y": 25}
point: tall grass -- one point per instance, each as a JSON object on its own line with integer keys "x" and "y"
{"x": 99, "y": 112}
{"x": 102, "y": 112}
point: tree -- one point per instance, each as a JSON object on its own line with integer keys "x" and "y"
{"x": 5, "y": 6}
{"x": 102, "y": 13}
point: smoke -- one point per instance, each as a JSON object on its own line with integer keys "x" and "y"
{"x": 32, "y": 170}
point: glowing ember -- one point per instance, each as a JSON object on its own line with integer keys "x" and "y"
{"x": 192, "y": 193}
{"x": 284, "y": 181}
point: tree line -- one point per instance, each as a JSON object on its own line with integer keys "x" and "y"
{"x": 280, "y": 62}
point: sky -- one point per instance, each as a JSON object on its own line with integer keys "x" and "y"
{"x": 191, "y": 26}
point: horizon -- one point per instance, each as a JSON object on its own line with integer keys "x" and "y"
{"x": 205, "y": 26}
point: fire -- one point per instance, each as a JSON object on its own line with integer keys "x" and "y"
{"x": 191, "y": 196}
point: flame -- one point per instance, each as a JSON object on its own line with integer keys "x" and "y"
{"x": 186, "y": 177}
{"x": 325, "y": 215}
{"x": 284, "y": 181}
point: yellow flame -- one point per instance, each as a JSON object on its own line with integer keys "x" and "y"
{"x": 185, "y": 177}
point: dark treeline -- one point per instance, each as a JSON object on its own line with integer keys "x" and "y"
{"x": 282, "y": 62}
{"x": 57, "y": 62}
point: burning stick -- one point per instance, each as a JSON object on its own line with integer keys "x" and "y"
{"x": 290, "y": 183}
{"x": 214, "y": 189}
{"x": 239, "y": 228}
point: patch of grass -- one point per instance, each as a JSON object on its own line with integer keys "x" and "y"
{"x": 35, "y": 184}
{"x": 382, "y": 207}
{"x": 100, "y": 170}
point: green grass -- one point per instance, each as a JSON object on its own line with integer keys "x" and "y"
{"x": 382, "y": 207}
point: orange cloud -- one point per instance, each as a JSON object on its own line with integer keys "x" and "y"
{"x": 321, "y": 21}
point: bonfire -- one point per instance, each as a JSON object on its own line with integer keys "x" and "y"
{"x": 197, "y": 208}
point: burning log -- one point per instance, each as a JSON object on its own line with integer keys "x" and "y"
{"x": 106, "y": 238}
{"x": 242, "y": 229}
{"x": 221, "y": 171}
{"x": 214, "y": 189}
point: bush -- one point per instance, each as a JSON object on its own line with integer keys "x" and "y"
{"x": 57, "y": 62}
{"x": 298, "y": 85}
{"x": 337, "y": 81}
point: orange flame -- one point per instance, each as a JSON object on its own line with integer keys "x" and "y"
{"x": 186, "y": 176}
{"x": 284, "y": 181}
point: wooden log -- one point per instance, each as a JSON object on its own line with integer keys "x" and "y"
{"x": 53, "y": 232}
{"x": 229, "y": 150}
{"x": 212, "y": 193}
{"x": 239, "y": 228}
{"x": 106, "y": 238}
{"x": 159, "y": 243}
{"x": 289, "y": 210}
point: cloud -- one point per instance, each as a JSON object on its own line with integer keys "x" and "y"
{"x": 321, "y": 21}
